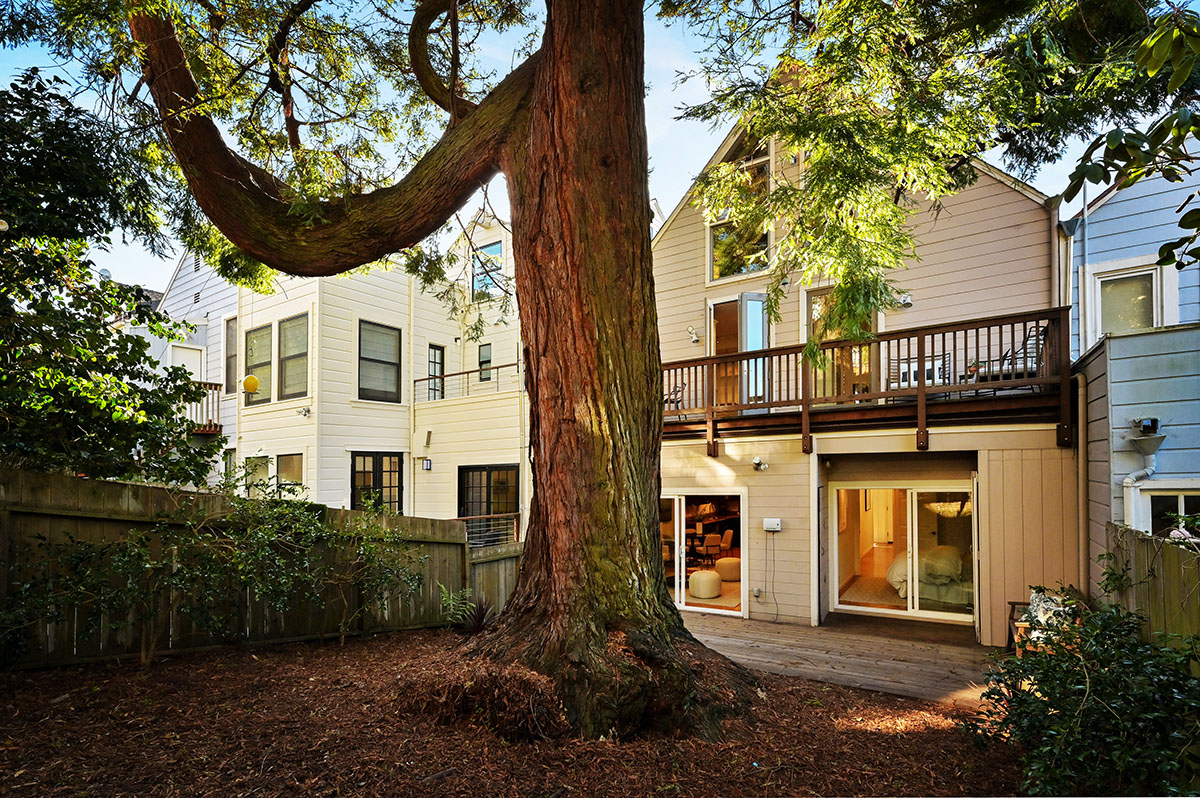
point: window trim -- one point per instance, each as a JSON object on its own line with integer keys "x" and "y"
{"x": 489, "y": 469}
{"x": 399, "y": 395}
{"x": 497, "y": 274}
{"x": 437, "y": 382}
{"x": 1137, "y": 497}
{"x": 281, "y": 358}
{"x": 377, "y": 477}
{"x": 278, "y": 471}
{"x": 485, "y": 371}
{"x": 226, "y": 372}
{"x": 1165, "y": 289}
{"x": 709, "y": 278}
{"x": 269, "y": 362}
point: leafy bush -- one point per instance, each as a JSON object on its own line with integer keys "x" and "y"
{"x": 1095, "y": 710}
{"x": 201, "y": 564}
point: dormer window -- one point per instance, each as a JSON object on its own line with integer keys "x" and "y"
{"x": 487, "y": 278}
{"x": 741, "y": 246}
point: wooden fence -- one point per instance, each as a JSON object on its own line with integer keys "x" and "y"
{"x": 56, "y": 507}
{"x": 1165, "y": 580}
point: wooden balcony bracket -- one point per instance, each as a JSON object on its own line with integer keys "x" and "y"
{"x": 805, "y": 401}
{"x": 710, "y": 421}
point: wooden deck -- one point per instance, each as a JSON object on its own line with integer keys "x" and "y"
{"x": 919, "y": 660}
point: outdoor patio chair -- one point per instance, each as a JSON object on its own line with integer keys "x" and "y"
{"x": 1022, "y": 361}
{"x": 673, "y": 399}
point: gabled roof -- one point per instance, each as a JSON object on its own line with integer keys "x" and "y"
{"x": 735, "y": 132}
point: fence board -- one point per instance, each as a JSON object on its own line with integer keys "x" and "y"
{"x": 1165, "y": 581}
{"x": 98, "y": 511}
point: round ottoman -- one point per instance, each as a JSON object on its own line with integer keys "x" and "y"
{"x": 730, "y": 569}
{"x": 704, "y": 584}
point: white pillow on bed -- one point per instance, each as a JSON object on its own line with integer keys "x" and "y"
{"x": 941, "y": 565}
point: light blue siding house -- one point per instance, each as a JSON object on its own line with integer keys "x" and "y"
{"x": 1136, "y": 337}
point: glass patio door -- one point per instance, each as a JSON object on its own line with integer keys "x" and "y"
{"x": 942, "y": 552}
{"x": 670, "y": 524}
{"x": 740, "y": 325}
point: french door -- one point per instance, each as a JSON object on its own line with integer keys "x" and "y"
{"x": 740, "y": 325}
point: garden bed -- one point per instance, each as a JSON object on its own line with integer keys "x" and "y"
{"x": 323, "y": 719}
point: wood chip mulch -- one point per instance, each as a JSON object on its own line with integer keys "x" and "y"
{"x": 323, "y": 720}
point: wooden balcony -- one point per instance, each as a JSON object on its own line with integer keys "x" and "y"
{"x": 206, "y": 413}
{"x": 1000, "y": 369}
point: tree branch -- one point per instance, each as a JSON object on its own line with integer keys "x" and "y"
{"x": 418, "y": 52}
{"x": 255, "y": 210}
{"x": 279, "y": 43}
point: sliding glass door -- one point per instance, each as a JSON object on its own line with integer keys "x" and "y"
{"x": 904, "y": 550}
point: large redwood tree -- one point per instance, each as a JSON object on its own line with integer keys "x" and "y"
{"x": 567, "y": 130}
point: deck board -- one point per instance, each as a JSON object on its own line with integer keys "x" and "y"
{"x": 945, "y": 672}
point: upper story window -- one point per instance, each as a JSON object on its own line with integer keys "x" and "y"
{"x": 485, "y": 362}
{"x": 293, "y": 357}
{"x": 231, "y": 356}
{"x": 1127, "y": 302}
{"x": 487, "y": 278}
{"x": 378, "y": 362}
{"x": 437, "y": 370}
{"x": 741, "y": 246}
{"x": 258, "y": 363}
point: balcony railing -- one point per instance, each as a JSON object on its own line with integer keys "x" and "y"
{"x": 205, "y": 414}
{"x": 986, "y": 358}
{"x": 492, "y": 530}
{"x": 476, "y": 382}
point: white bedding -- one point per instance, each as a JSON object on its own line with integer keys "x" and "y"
{"x": 940, "y": 571}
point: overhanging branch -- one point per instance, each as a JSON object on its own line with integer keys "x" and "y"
{"x": 418, "y": 53}
{"x": 254, "y": 209}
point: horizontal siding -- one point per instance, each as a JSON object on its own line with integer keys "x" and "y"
{"x": 1156, "y": 374}
{"x": 1099, "y": 469}
{"x": 986, "y": 253}
{"x": 778, "y": 563}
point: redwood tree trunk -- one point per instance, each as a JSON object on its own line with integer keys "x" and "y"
{"x": 591, "y": 608}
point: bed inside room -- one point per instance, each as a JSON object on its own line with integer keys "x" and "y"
{"x": 882, "y": 532}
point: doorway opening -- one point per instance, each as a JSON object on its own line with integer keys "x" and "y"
{"x": 905, "y": 551}
{"x": 739, "y": 325}
{"x": 702, "y": 544}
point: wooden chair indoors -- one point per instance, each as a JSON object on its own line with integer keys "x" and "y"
{"x": 711, "y": 547}
{"x": 727, "y": 543}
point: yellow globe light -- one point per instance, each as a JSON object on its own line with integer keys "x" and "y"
{"x": 250, "y": 384}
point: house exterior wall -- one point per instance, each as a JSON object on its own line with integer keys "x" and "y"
{"x": 1127, "y": 230}
{"x": 1095, "y": 427}
{"x": 287, "y": 426}
{"x": 1027, "y": 511}
{"x": 986, "y": 253}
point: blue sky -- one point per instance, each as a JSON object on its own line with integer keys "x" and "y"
{"x": 678, "y": 149}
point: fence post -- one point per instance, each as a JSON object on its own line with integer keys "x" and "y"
{"x": 922, "y": 430}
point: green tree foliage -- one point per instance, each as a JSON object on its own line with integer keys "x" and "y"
{"x": 1123, "y": 156}
{"x": 76, "y": 395}
{"x": 883, "y": 105}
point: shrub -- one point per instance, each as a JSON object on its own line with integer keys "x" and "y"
{"x": 1094, "y": 710}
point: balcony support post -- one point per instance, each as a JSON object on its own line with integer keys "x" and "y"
{"x": 805, "y": 401}
{"x": 922, "y": 421}
{"x": 710, "y": 421}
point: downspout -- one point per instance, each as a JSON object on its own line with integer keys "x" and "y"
{"x": 1084, "y": 338}
{"x": 1055, "y": 261}
{"x": 1148, "y": 446}
{"x": 412, "y": 400}
{"x": 1081, "y": 487}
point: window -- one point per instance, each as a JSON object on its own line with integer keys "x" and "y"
{"x": 229, "y": 460}
{"x": 488, "y": 278}
{"x": 376, "y": 477}
{"x": 293, "y": 357}
{"x": 485, "y": 362}
{"x": 289, "y": 469}
{"x": 740, "y": 246}
{"x": 1127, "y": 303}
{"x": 488, "y": 490}
{"x": 231, "y": 370}
{"x": 378, "y": 362}
{"x": 437, "y": 370}
{"x": 257, "y": 476}
{"x": 1176, "y": 503}
{"x": 258, "y": 363}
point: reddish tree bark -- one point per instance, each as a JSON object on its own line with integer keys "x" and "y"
{"x": 591, "y": 608}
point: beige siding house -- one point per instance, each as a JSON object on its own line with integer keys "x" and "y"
{"x": 927, "y": 475}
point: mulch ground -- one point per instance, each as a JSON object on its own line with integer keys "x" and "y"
{"x": 323, "y": 719}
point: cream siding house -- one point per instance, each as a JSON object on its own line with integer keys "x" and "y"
{"x": 944, "y": 453}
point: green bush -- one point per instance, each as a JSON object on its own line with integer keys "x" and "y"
{"x": 1095, "y": 710}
